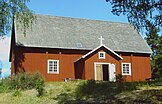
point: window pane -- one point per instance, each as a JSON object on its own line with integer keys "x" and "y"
{"x": 50, "y": 70}
{"x": 127, "y": 65}
{"x": 50, "y": 62}
{"x": 101, "y": 55}
{"x": 49, "y": 67}
{"x": 126, "y": 69}
{"x": 53, "y": 66}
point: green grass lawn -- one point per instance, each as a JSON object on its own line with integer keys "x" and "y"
{"x": 87, "y": 92}
{"x": 52, "y": 90}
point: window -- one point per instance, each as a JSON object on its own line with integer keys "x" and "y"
{"x": 126, "y": 69}
{"x": 53, "y": 66}
{"x": 101, "y": 55}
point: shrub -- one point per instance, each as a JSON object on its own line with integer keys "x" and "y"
{"x": 22, "y": 81}
{"x": 39, "y": 85}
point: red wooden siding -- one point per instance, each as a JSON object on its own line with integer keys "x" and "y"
{"x": 140, "y": 65}
{"x": 35, "y": 60}
{"x": 89, "y": 63}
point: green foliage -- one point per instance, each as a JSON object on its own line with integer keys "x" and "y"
{"x": 39, "y": 85}
{"x": 156, "y": 63}
{"x": 22, "y": 81}
{"x": 154, "y": 40}
{"x": 4, "y": 86}
{"x": 59, "y": 93}
{"x": 140, "y": 13}
{"x": 67, "y": 88}
{"x": 100, "y": 89}
{"x": 11, "y": 8}
{"x": 86, "y": 88}
{"x": 103, "y": 92}
{"x": 16, "y": 92}
{"x": 146, "y": 16}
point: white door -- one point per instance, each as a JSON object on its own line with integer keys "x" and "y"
{"x": 112, "y": 73}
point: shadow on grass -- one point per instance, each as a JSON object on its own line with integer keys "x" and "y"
{"x": 141, "y": 97}
{"x": 95, "y": 92}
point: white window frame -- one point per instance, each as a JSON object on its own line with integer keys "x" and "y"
{"x": 57, "y": 72}
{"x": 100, "y": 56}
{"x": 130, "y": 70}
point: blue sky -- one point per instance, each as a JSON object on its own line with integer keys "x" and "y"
{"x": 89, "y": 9}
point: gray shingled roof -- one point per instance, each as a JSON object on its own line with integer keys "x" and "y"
{"x": 73, "y": 33}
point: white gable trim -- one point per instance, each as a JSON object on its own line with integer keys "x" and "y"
{"x": 100, "y": 47}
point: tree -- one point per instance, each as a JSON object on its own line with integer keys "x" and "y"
{"x": 140, "y": 13}
{"x": 154, "y": 40}
{"x": 145, "y": 15}
{"x": 14, "y": 8}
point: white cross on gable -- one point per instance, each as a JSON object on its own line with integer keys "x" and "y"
{"x": 101, "y": 40}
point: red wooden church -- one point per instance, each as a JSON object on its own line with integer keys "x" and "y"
{"x": 63, "y": 47}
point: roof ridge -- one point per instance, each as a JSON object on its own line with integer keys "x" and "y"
{"x": 80, "y": 18}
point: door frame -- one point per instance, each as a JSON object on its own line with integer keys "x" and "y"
{"x": 102, "y": 63}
